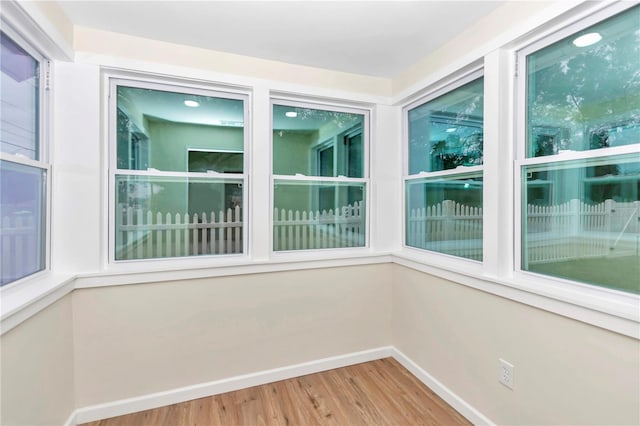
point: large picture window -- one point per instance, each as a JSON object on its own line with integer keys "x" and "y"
{"x": 320, "y": 177}
{"x": 580, "y": 156}
{"x": 23, "y": 167}
{"x": 443, "y": 189}
{"x": 179, "y": 179}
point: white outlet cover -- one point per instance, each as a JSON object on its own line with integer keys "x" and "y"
{"x": 505, "y": 373}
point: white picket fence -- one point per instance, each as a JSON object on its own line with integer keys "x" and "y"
{"x": 576, "y": 230}
{"x": 448, "y": 227}
{"x": 567, "y": 231}
{"x": 146, "y": 234}
{"x": 19, "y": 240}
{"x": 295, "y": 230}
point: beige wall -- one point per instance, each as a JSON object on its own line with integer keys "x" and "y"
{"x": 117, "y": 342}
{"x": 501, "y": 21}
{"x": 37, "y": 369}
{"x": 92, "y": 41}
{"x": 138, "y": 339}
{"x": 57, "y": 18}
{"x": 566, "y": 372}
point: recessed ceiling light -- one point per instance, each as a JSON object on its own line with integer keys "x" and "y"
{"x": 291, "y": 114}
{"x": 587, "y": 39}
{"x": 451, "y": 130}
{"x": 191, "y": 103}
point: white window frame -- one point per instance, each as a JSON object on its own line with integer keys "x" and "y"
{"x": 188, "y": 88}
{"x": 595, "y": 297}
{"x": 366, "y": 132}
{"x": 43, "y": 142}
{"x": 448, "y": 86}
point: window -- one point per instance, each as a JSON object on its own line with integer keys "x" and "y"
{"x": 320, "y": 177}
{"x": 443, "y": 189}
{"x": 24, "y": 171}
{"x": 580, "y": 155}
{"x": 179, "y": 178}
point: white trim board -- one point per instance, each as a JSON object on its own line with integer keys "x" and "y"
{"x": 187, "y": 393}
{"x": 201, "y": 390}
{"x": 451, "y": 398}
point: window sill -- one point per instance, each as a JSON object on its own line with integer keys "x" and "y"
{"x": 140, "y": 272}
{"x": 609, "y": 309}
{"x": 26, "y": 297}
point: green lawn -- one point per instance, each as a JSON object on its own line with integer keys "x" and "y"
{"x": 619, "y": 273}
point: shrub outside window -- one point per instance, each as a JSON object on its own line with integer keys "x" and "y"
{"x": 443, "y": 189}
{"x": 178, "y": 156}
{"x": 24, "y": 172}
{"x": 319, "y": 177}
{"x": 580, "y": 160}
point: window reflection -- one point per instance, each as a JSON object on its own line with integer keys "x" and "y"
{"x": 445, "y": 215}
{"x": 446, "y": 132}
{"x": 315, "y": 142}
{"x": 19, "y": 96}
{"x": 318, "y": 215}
{"x": 199, "y": 140}
{"x": 581, "y": 221}
{"x": 22, "y": 220}
{"x": 584, "y": 98}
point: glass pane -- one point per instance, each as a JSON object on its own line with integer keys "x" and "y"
{"x": 446, "y": 132}
{"x": 445, "y": 215}
{"x": 315, "y": 142}
{"x": 22, "y": 221}
{"x": 317, "y": 215}
{"x": 160, "y": 130}
{"x": 173, "y": 217}
{"x": 580, "y": 221}
{"x": 583, "y": 96}
{"x": 19, "y": 100}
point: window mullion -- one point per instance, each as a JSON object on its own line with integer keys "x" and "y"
{"x": 462, "y": 170}
{"x": 162, "y": 173}
{"x": 582, "y": 155}
{"x": 498, "y": 232}
{"x": 303, "y": 178}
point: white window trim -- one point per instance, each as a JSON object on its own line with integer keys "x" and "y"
{"x": 366, "y": 135}
{"x": 611, "y": 309}
{"x": 43, "y": 162}
{"x": 446, "y": 86}
{"x": 113, "y": 79}
{"x": 579, "y": 292}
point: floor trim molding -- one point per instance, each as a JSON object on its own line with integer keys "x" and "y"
{"x": 159, "y": 399}
{"x": 451, "y": 398}
{"x": 173, "y": 396}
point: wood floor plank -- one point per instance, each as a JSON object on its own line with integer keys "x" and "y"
{"x": 380, "y": 392}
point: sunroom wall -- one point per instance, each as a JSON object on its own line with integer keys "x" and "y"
{"x": 498, "y": 29}
{"x": 79, "y": 238}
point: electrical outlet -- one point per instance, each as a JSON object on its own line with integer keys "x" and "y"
{"x": 505, "y": 373}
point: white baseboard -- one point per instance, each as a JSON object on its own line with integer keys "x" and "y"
{"x": 160, "y": 399}
{"x": 174, "y": 396}
{"x": 459, "y": 404}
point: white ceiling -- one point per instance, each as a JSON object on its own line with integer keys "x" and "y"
{"x": 379, "y": 38}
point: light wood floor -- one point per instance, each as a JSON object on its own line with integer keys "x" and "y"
{"x": 380, "y": 392}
